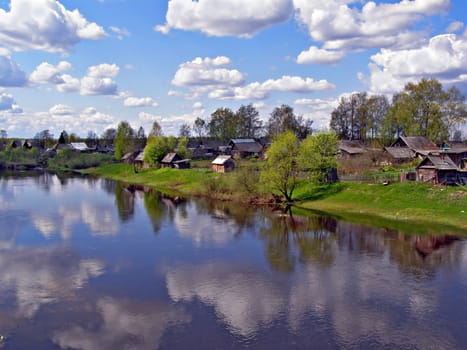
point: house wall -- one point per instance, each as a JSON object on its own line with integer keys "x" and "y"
{"x": 218, "y": 168}
{"x": 426, "y": 175}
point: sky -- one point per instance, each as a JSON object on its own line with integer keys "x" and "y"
{"x": 87, "y": 65}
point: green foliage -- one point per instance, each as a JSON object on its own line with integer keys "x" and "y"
{"x": 318, "y": 155}
{"x": 425, "y": 109}
{"x": 124, "y": 140}
{"x": 69, "y": 159}
{"x": 247, "y": 179}
{"x": 182, "y": 149}
{"x": 19, "y": 155}
{"x": 156, "y": 149}
{"x": 282, "y": 166}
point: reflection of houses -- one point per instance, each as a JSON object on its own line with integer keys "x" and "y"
{"x": 173, "y": 160}
{"x": 243, "y": 148}
{"x": 351, "y": 149}
{"x": 427, "y": 245}
{"x": 406, "y": 148}
{"x": 223, "y": 164}
{"x": 437, "y": 169}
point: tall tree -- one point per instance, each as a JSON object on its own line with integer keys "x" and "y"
{"x": 108, "y": 135}
{"x": 156, "y": 130}
{"x": 223, "y": 124}
{"x": 350, "y": 119}
{"x": 200, "y": 127}
{"x": 185, "y": 130}
{"x": 124, "y": 140}
{"x": 63, "y": 139}
{"x": 91, "y": 139}
{"x": 141, "y": 138}
{"x": 282, "y": 166}
{"x": 283, "y": 119}
{"x": 45, "y": 137}
{"x": 248, "y": 123}
{"x": 425, "y": 109}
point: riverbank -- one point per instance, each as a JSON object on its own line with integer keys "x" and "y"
{"x": 410, "y": 206}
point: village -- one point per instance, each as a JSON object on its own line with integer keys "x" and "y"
{"x": 444, "y": 164}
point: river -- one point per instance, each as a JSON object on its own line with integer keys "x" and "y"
{"x": 91, "y": 263}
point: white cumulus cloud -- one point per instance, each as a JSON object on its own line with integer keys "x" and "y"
{"x": 48, "y": 73}
{"x": 241, "y": 18}
{"x": 345, "y": 24}
{"x": 99, "y": 80}
{"x": 319, "y": 56}
{"x": 443, "y": 57}
{"x": 10, "y": 73}
{"x": 139, "y": 102}
{"x": 44, "y": 25}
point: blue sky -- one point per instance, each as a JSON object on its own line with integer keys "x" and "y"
{"x": 86, "y": 65}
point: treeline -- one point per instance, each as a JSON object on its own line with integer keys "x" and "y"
{"x": 421, "y": 109}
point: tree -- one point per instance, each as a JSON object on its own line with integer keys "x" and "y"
{"x": 350, "y": 119}
{"x": 283, "y": 119}
{"x": 318, "y": 155}
{"x": 109, "y": 135}
{"x": 45, "y": 137}
{"x": 223, "y": 124}
{"x": 141, "y": 138}
{"x": 282, "y": 166}
{"x": 200, "y": 127}
{"x": 182, "y": 147}
{"x": 156, "y": 130}
{"x": 91, "y": 139}
{"x": 156, "y": 149}
{"x": 124, "y": 140}
{"x": 63, "y": 139}
{"x": 185, "y": 130}
{"x": 425, "y": 109}
{"x": 3, "y": 138}
{"x": 248, "y": 123}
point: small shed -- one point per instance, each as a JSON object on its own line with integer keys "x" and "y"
{"x": 223, "y": 164}
{"x": 437, "y": 169}
{"x": 173, "y": 160}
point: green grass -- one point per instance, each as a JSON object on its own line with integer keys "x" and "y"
{"x": 412, "y": 202}
{"x": 409, "y": 206}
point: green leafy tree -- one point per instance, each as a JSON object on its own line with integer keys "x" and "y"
{"x": 124, "y": 140}
{"x": 156, "y": 130}
{"x": 45, "y": 137}
{"x": 248, "y": 123}
{"x": 282, "y": 166}
{"x": 156, "y": 149}
{"x": 318, "y": 155}
{"x": 223, "y": 124}
{"x": 425, "y": 109}
{"x": 182, "y": 147}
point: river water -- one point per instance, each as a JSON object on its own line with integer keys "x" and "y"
{"x": 93, "y": 264}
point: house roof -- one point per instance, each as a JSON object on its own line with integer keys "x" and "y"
{"x": 221, "y": 160}
{"x": 438, "y": 162}
{"x": 140, "y": 157}
{"x": 251, "y": 147}
{"x": 417, "y": 142}
{"x": 80, "y": 146}
{"x": 170, "y": 157}
{"x": 400, "y": 152}
{"x": 352, "y": 147}
{"x": 236, "y": 141}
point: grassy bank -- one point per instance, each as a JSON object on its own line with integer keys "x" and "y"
{"x": 406, "y": 206}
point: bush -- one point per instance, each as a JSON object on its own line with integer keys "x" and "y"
{"x": 69, "y": 159}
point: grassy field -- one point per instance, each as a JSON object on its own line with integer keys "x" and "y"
{"x": 408, "y": 206}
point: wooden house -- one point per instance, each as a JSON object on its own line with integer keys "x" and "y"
{"x": 437, "y": 169}
{"x": 351, "y": 149}
{"x": 173, "y": 160}
{"x": 406, "y": 148}
{"x": 243, "y": 148}
{"x": 223, "y": 164}
{"x": 130, "y": 157}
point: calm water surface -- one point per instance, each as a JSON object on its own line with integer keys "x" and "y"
{"x": 90, "y": 264}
